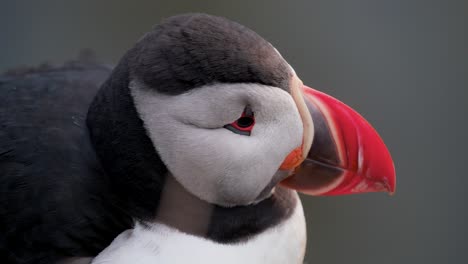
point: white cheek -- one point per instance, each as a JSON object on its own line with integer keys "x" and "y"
{"x": 216, "y": 164}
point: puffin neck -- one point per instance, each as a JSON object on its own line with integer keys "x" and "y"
{"x": 181, "y": 210}
{"x": 187, "y": 213}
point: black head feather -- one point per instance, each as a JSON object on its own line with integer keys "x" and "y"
{"x": 188, "y": 51}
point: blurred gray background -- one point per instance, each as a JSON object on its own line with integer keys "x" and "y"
{"x": 402, "y": 64}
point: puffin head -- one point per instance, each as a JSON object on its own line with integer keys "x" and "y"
{"x": 210, "y": 103}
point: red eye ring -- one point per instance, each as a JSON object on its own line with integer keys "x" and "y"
{"x": 243, "y": 125}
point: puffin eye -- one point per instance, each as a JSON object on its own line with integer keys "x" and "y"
{"x": 243, "y": 125}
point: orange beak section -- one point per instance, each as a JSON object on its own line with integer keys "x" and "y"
{"x": 341, "y": 152}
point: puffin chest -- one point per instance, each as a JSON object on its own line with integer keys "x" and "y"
{"x": 158, "y": 243}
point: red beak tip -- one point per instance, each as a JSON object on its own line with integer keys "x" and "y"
{"x": 388, "y": 189}
{"x": 391, "y": 189}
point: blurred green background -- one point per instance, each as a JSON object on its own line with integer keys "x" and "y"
{"x": 402, "y": 64}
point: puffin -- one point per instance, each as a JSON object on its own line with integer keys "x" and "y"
{"x": 192, "y": 149}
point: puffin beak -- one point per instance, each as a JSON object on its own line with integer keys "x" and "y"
{"x": 341, "y": 152}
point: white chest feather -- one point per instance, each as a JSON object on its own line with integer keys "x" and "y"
{"x": 160, "y": 244}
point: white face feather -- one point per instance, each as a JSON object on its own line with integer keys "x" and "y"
{"x": 211, "y": 162}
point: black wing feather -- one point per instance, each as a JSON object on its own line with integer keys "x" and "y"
{"x": 54, "y": 196}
